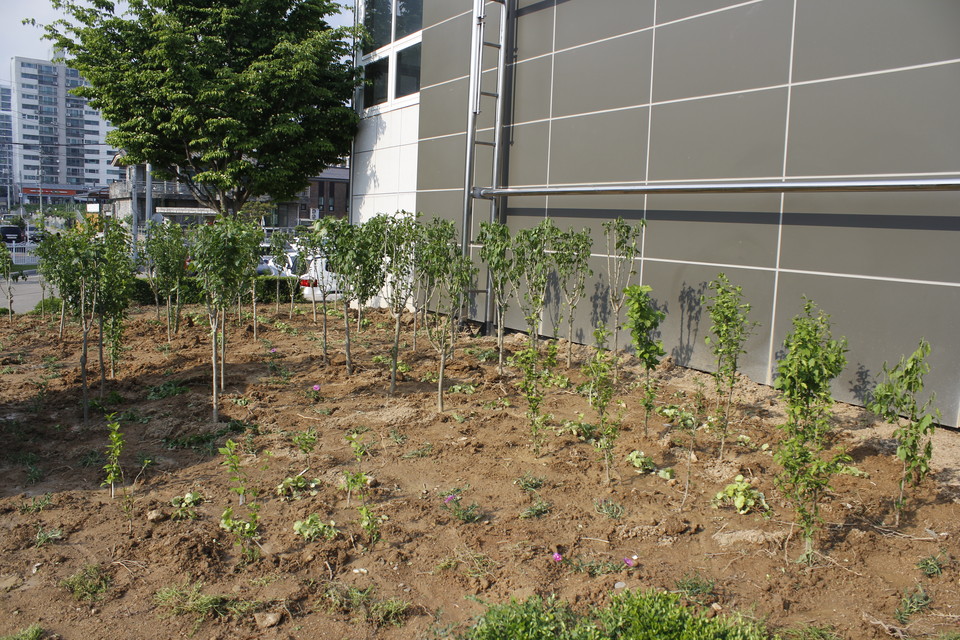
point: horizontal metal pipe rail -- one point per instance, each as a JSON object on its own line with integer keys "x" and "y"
{"x": 789, "y": 186}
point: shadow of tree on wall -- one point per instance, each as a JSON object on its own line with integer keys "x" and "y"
{"x": 691, "y": 310}
{"x": 863, "y": 384}
{"x": 600, "y": 304}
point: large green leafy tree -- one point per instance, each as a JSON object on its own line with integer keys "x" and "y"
{"x": 234, "y": 98}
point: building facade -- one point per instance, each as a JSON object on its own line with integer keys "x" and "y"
{"x": 705, "y": 92}
{"x": 59, "y": 141}
{"x": 6, "y": 147}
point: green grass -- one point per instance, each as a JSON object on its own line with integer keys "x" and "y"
{"x": 364, "y": 606}
{"x": 33, "y": 632}
{"x": 629, "y": 616}
{"x": 89, "y": 583}
{"x": 188, "y": 600}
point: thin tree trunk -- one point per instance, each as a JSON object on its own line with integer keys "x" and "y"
{"x": 346, "y": 341}
{"x": 253, "y": 295}
{"x": 103, "y": 368}
{"x": 324, "y": 325}
{"x": 169, "y": 320}
{"x": 443, "y": 365}
{"x": 278, "y": 296}
{"x": 396, "y": 355}
{"x": 63, "y": 315}
{"x": 500, "y": 353}
{"x": 313, "y": 303}
{"x": 216, "y": 397}
{"x": 416, "y": 316}
{"x": 570, "y": 341}
{"x": 223, "y": 349}
{"x": 83, "y": 373}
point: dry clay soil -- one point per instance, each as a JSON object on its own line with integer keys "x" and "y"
{"x": 447, "y": 570}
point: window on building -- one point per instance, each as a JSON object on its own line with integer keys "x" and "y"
{"x": 376, "y": 89}
{"x": 408, "y": 71}
{"x": 392, "y": 52}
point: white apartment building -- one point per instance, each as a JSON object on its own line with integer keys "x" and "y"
{"x": 59, "y": 141}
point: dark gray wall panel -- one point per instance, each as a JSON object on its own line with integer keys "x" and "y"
{"x": 720, "y": 52}
{"x": 724, "y": 229}
{"x": 592, "y": 211}
{"x": 882, "y": 321}
{"x": 440, "y": 163}
{"x": 738, "y": 136}
{"x": 534, "y": 28}
{"x": 440, "y": 204}
{"x": 856, "y": 36}
{"x": 605, "y": 147}
{"x": 531, "y": 90}
{"x": 446, "y": 52}
{"x": 878, "y": 234}
{"x": 579, "y": 22}
{"x": 677, "y": 9}
{"x": 903, "y": 122}
{"x": 527, "y": 154}
{"x": 606, "y": 75}
{"x": 443, "y": 109}
{"x": 677, "y": 289}
{"x": 435, "y": 11}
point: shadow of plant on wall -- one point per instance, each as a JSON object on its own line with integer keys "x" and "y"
{"x": 691, "y": 309}
{"x": 862, "y": 384}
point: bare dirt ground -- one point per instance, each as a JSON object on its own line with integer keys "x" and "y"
{"x": 443, "y": 568}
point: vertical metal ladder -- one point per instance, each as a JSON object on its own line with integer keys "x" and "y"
{"x": 477, "y": 95}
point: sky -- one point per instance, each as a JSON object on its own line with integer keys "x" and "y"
{"x": 17, "y": 39}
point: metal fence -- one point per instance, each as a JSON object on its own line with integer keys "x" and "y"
{"x": 24, "y": 253}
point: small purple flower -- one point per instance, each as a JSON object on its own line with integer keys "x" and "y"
{"x": 630, "y": 562}
{"x": 316, "y": 387}
{"x": 274, "y": 350}
{"x": 557, "y": 557}
{"x": 450, "y": 498}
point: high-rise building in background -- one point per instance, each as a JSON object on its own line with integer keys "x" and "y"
{"x": 59, "y": 147}
{"x": 6, "y": 147}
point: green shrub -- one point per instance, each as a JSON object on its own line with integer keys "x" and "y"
{"x": 51, "y": 304}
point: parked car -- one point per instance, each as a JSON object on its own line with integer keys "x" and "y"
{"x": 320, "y": 272}
{"x": 12, "y": 233}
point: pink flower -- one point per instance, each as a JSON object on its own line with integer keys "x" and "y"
{"x": 557, "y": 557}
{"x": 450, "y": 498}
{"x": 630, "y": 562}
{"x": 316, "y": 387}
{"x": 274, "y": 350}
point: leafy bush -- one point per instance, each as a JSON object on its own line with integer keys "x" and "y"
{"x": 89, "y": 583}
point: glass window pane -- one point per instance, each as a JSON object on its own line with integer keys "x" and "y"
{"x": 408, "y": 70}
{"x": 377, "y": 19}
{"x": 409, "y": 17}
{"x": 375, "y": 89}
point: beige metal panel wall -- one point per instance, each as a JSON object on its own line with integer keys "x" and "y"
{"x": 611, "y": 91}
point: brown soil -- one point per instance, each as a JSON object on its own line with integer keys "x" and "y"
{"x": 444, "y": 568}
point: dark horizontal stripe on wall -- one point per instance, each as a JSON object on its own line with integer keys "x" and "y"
{"x": 873, "y": 221}
{"x": 538, "y": 6}
{"x": 560, "y": 214}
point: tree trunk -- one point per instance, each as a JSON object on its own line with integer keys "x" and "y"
{"x": 443, "y": 365}
{"x": 396, "y": 354}
{"x": 253, "y": 295}
{"x": 83, "y": 373}
{"x": 500, "y": 354}
{"x": 223, "y": 349}
{"x": 278, "y": 296}
{"x": 324, "y": 325}
{"x": 346, "y": 341}
{"x": 63, "y": 315}
{"x": 103, "y": 368}
{"x": 169, "y": 320}
{"x": 216, "y": 398}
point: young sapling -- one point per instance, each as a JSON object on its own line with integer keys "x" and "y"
{"x": 897, "y": 396}
{"x": 813, "y": 359}
{"x": 644, "y": 320}
{"x": 730, "y": 330}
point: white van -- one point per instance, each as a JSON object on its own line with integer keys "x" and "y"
{"x": 319, "y": 273}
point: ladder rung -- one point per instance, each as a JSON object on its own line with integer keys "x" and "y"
{"x": 490, "y": 94}
{"x": 495, "y": 45}
{"x": 486, "y": 144}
